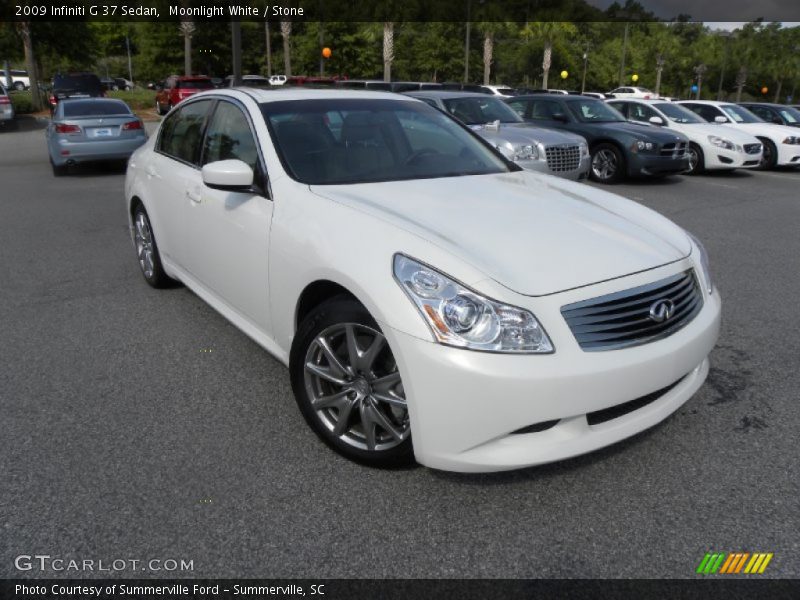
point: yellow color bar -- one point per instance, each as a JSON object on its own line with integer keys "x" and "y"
{"x": 754, "y": 562}
{"x": 766, "y": 562}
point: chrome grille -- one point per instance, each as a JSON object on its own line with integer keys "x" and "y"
{"x": 674, "y": 150}
{"x": 623, "y": 319}
{"x": 752, "y": 148}
{"x": 563, "y": 158}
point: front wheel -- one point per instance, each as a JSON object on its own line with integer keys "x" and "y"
{"x": 608, "y": 164}
{"x": 160, "y": 110}
{"x": 347, "y": 385}
{"x": 770, "y": 156}
{"x": 696, "y": 160}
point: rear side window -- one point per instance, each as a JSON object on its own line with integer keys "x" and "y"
{"x": 182, "y": 132}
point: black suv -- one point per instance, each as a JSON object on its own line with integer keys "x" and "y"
{"x": 75, "y": 85}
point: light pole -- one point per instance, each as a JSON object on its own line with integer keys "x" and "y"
{"x": 659, "y": 69}
{"x": 624, "y": 50}
{"x": 466, "y": 43}
{"x": 727, "y": 36}
{"x": 699, "y": 70}
{"x": 585, "y": 63}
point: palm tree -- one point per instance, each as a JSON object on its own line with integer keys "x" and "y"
{"x": 187, "y": 30}
{"x": 388, "y": 49}
{"x": 286, "y": 33}
{"x": 549, "y": 34}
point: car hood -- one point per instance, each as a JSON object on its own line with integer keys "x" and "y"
{"x": 736, "y": 136}
{"x": 767, "y": 129}
{"x": 642, "y": 131}
{"x": 534, "y": 234}
{"x": 523, "y": 133}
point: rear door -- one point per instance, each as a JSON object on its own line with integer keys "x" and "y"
{"x": 172, "y": 169}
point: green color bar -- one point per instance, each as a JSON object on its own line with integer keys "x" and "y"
{"x": 703, "y": 563}
{"x": 719, "y": 562}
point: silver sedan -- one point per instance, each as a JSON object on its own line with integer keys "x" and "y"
{"x": 92, "y": 129}
{"x": 534, "y": 148}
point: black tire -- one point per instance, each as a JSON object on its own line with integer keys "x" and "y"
{"x": 326, "y": 321}
{"x": 770, "y": 157}
{"x": 607, "y": 164}
{"x": 699, "y": 160}
{"x": 160, "y": 110}
{"x": 155, "y": 276}
{"x": 59, "y": 170}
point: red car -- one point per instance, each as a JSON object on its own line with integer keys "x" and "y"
{"x": 177, "y": 88}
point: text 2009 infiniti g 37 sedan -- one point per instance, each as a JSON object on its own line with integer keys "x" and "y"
{"x": 431, "y": 299}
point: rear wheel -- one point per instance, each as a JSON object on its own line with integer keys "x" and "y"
{"x": 697, "y": 162}
{"x": 770, "y": 157}
{"x": 58, "y": 170}
{"x": 160, "y": 110}
{"x": 608, "y": 164}
{"x": 347, "y": 385}
{"x": 147, "y": 250}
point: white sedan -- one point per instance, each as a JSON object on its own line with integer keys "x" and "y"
{"x": 633, "y": 92}
{"x": 711, "y": 147}
{"x": 431, "y": 299}
{"x": 781, "y": 143}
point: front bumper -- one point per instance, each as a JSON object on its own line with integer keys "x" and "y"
{"x": 643, "y": 165}
{"x": 465, "y": 406}
{"x": 788, "y": 154}
{"x": 721, "y": 158}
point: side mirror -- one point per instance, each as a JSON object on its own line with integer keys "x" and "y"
{"x": 720, "y": 119}
{"x": 656, "y": 120}
{"x": 228, "y": 175}
{"x": 560, "y": 117}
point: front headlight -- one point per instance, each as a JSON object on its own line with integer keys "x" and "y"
{"x": 461, "y": 317}
{"x": 792, "y": 140}
{"x": 703, "y": 262}
{"x": 584, "y": 149}
{"x": 642, "y": 146}
{"x": 721, "y": 142}
{"x": 525, "y": 152}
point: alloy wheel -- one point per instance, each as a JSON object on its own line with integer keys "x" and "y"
{"x": 355, "y": 389}
{"x": 143, "y": 238}
{"x": 694, "y": 159}
{"x": 766, "y": 157}
{"x": 604, "y": 164}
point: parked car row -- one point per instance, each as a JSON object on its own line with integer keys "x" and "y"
{"x": 6, "y": 108}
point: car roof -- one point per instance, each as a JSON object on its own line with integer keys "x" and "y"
{"x": 282, "y": 93}
{"x": 446, "y": 94}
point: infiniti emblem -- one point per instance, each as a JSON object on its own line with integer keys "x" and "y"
{"x": 661, "y": 310}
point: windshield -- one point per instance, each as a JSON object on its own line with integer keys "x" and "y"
{"x": 739, "y": 114}
{"x": 355, "y": 140}
{"x": 588, "y": 110}
{"x": 505, "y": 91}
{"x": 76, "y": 82}
{"x": 93, "y": 108}
{"x": 479, "y": 111}
{"x": 198, "y": 84}
{"x": 677, "y": 113}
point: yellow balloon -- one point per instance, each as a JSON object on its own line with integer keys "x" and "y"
{"x": 634, "y": 77}
{"x": 564, "y": 74}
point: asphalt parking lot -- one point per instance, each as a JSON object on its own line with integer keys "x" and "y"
{"x": 139, "y": 424}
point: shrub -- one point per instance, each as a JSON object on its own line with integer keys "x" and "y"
{"x": 138, "y": 99}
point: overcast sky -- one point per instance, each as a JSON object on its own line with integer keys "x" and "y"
{"x": 707, "y": 10}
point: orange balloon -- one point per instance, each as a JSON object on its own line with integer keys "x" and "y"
{"x": 326, "y": 52}
{"x": 764, "y": 90}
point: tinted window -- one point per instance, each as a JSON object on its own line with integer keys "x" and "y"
{"x": 790, "y": 115}
{"x": 589, "y": 110}
{"x": 678, "y": 113}
{"x": 620, "y": 106}
{"x": 194, "y": 84}
{"x": 706, "y": 111}
{"x": 544, "y": 110}
{"x": 76, "y": 82}
{"x": 518, "y": 106}
{"x": 478, "y": 111}
{"x": 640, "y": 112}
{"x": 374, "y": 140}
{"x": 182, "y": 131}
{"x": 86, "y": 108}
{"x": 229, "y": 137}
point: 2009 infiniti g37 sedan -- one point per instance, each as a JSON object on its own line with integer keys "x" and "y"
{"x": 432, "y": 300}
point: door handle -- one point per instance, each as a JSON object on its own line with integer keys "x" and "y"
{"x": 195, "y": 197}
{"x": 150, "y": 171}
